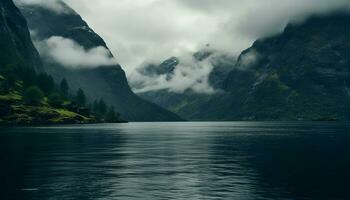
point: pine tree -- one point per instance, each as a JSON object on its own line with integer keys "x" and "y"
{"x": 111, "y": 115}
{"x": 55, "y": 100}
{"x": 95, "y": 108}
{"x": 45, "y": 83}
{"x": 102, "y": 107}
{"x": 81, "y": 98}
{"x": 64, "y": 87}
{"x": 33, "y": 96}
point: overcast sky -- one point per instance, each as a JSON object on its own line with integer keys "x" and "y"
{"x": 144, "y": 31}
{"x": 153, "y": 30}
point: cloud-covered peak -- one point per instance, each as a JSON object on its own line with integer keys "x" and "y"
{"x": 149, "y": 31}
{"x": 175, "y": 75}
{"x": 152, "y": 30}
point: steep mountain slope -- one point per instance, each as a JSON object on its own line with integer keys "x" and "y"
{"x": 187, "y": 103}
{"x": 16, "y": 48}
{"x": 302, "y": 73}
{"x": 21, "y": 100}
{"x": 107, "y": 82}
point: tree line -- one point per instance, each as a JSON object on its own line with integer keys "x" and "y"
{"x": 38, "y": 88}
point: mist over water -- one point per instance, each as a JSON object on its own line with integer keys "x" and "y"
{"x": 176, "y": 161}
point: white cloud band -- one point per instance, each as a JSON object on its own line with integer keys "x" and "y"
{"x": 71, "y": 55}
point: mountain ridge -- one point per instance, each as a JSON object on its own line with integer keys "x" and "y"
{"x": 300, "y": 74}
{"x": 28, "y": 96}
{"x": 107, "y": 82}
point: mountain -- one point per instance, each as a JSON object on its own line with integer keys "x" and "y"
{"x": 26, "y": 93}
{"x": 101, "y": 81}
{"x": 188, "y": 104}
{"x": 302, "y": 73}
{"x": 16, "y": 46}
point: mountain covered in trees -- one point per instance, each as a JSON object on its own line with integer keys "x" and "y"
{"x": 28, "y": 95}
{"x": 105, "y": 81}
{"x": 21, "y": 99}
{"x": 302, "y": 73}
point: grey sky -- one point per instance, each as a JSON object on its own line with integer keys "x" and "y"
{"x": 153, "y": 30}
{"x": 143, "y": 31}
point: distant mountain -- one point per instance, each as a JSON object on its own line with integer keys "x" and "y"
{"x": 189, "y": 103}
{"x": 107, "y": 82}
{"x": 166, "y": 68}
{"x": 302, "y": 73}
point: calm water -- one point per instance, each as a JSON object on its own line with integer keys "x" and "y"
{"x": 176, "y": 161}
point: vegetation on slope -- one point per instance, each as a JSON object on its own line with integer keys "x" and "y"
{"x": 28, "y": 98}
{"x": 107, "y": 82}
{"x": 300, "y": 74}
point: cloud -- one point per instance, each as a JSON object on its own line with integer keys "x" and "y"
{"x": 269, "y": 17}
{"x": 139, "y": 31}
{"x": 152, "y": 30}
{"x": 71, "y": 55}
{"x": 53, "y": 5}
{"x": 189, "y": 74}
{"x": 247, "y": 60}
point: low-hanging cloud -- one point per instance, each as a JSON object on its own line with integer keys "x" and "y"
{"x": 189, "y": 74}
{"x": 70, "y": 54}
{"x": 140, "y": 31}
{"x": 247, "y": 60}
{"x": 53, "y": 5}
{"x": 152, "y": 30}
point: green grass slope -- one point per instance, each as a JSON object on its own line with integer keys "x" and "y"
{"x": 14, "y": 111}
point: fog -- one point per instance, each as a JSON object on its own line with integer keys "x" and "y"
{"x": 70, "y": 54}
{"x": 150, "y": 31}
{"x": 154, "y": 30}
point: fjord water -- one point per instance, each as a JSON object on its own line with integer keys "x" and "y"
{"x": 230, "y": 160}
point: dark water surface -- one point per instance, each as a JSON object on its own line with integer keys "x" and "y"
{"x": 176, "y": 161}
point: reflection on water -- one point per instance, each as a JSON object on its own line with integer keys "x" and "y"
{"x": 176, "y": 161}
